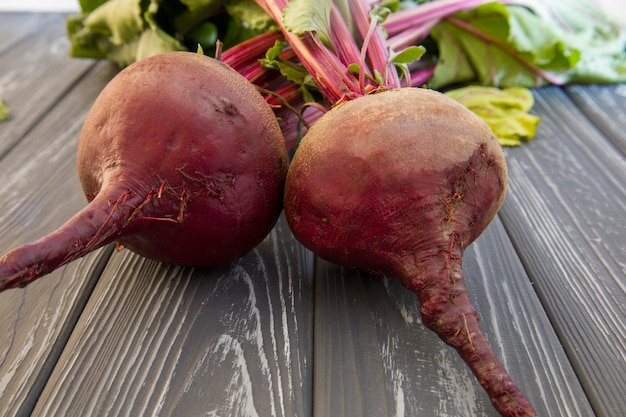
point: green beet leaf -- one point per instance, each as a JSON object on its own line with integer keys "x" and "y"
{"x": 4, "y": 110}
{"x": 506, "y": 111}
{"x": 300, "y": 16}
{"x": 251, "y": 13}
{"x": 506, "y": 45}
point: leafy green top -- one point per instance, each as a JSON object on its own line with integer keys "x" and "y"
{"x": 326, "y": 51}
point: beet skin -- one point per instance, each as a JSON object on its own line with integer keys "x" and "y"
{"x": 400, "y": 183}
{"x": 182, "y": 161}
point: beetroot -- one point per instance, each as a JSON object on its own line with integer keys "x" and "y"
{"x": 400, "y": 183}
{"x": 182, "y": 161}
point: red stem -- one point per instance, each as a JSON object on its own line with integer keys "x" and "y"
{"x": 421, "y": 77}
{"x": 326, "y": 67}
{"x": 342, "y": 39}
{"x": 374, "y": 43}
{"x": 414, "y": 17}
{"x": 247, "y": 53}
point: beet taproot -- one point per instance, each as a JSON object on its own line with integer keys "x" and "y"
{"x": 181, "y": 160}
{"x": 399, "y": 183}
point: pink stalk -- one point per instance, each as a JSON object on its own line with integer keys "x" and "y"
{"x": 247, "y": 53}
{"x": 412, "y": 18}
{"x": 410, "y": 26}
{"x": 328, "y": 71}
{"x": 412, "y": 36}
{"x": 421, "y": 77}
{"x": 329, "y": 67}
{"x": 374, "y": 44}
{"x": 287, "y": 102}
{"x": 283, "y": 95}
{"x": 346, "y": 48}
{"x": 293, "y": 114}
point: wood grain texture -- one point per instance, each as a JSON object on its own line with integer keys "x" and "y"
{"x": 35, "y": 323}
{"x": 159, "y": 340}
{"x": 39, "y": 192}
{"x": 565, "y": 214}
{"x": 605, "y": 106}
{"x": 14, "y": 27}
{"x": 373, "y": 356}
{"x": 31, "y": 81}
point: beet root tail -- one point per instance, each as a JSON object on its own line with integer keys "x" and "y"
{"x": 98, "y": 224}
{"x": 446, "y": 309}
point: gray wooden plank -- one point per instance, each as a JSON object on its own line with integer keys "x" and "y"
{"x": 16, "y": 26}
{"x": 35, "y": 323}
{"x": 605, "y": 106}
{"x": 40, "y": 190}
{"x": 34, "y": 74}
{"x": 373, "y": 356}
{"x": 565, "y": 213}
{"x": 170, "y": 341}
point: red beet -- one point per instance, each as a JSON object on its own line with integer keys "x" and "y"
{"x": 400, "y": 183}
{"x": 182, "y": 161}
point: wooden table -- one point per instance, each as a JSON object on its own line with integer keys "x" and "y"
{"x": 282, "y": 333}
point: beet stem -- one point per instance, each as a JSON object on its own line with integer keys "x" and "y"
{"x": 98, "y": 224}
{"x": 446, "y": 310}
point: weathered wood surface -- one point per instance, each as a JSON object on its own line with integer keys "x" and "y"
{"x": 35, "y": 71}
{"x": 565, "y": 213}
{"x": 168, "y": 341}
{"x": 39, "y": 191}
{"x": 369, "y": 330}
{"x": 605, "y": 106}
{"x": 16, "y": 26}
{"x": 279, "y": 333}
